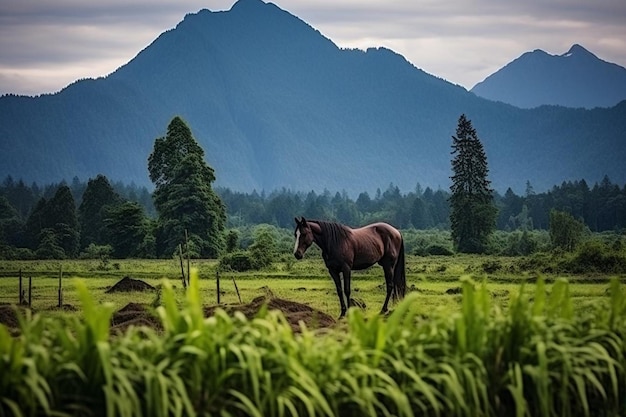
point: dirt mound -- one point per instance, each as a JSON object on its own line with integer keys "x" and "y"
{"x": 133, "y": 314}
{"x": 8, "y": 316}
{"x": 294, "y": 312}
{"x": 130, "y": 284}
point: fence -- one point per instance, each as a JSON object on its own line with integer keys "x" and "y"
{"x": 22, "y": 289}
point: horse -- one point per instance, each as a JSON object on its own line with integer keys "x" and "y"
{"x": 345, "y": 249}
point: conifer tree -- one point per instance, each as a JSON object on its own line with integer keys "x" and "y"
{"x": 98, "y": 197}
{"x": 55, "y": 221}
{"x": 184, "y": 198}
{"x": 473, "y": 213}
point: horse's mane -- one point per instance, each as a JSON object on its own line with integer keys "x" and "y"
{"x": 333, "y": 234}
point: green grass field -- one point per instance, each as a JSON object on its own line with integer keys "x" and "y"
{"x": 435, "y": 279}
{"x": 556, "y": 351}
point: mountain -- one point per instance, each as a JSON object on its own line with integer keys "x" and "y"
{"x": 577, "y": 78}
{"x": 275, "y": 104}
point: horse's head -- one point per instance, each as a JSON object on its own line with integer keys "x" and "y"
{"x": 304, "y": 237}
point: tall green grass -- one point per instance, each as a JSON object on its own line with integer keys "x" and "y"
{"x": 539, "y": 356}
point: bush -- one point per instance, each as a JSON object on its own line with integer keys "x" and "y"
{"x": 595, "y": 256}
{"x": 239, "y": 261}
{"x": 94, "y": 251}
{"x": 538, "y": 262}
{"x": 491, "y": 266}
{"x": 439, "y": 250}
{"x": 13, "y": 253}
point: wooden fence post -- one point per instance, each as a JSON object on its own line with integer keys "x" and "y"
{"x": 61, "y": 286}
{"x": 20, "y": 296}
{"x": 217, "y": 282}
{"x": 188, "y": 255}
{"x": 236, "y": 289}
{"x": 182, "y": 268}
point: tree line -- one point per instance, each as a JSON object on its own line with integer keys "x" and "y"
{"x": 101, "y": 218}
{"x": 601, "y": 207}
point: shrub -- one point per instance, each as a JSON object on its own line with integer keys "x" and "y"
{"x": 12, "y": 253}
{"x": 595, "y": 256}
{"x": 491, "y": 266}
{"x": 538, "y": 262}
{"x": 239, "y": 261}
{"x": 439, "y": 250}
{"x": 566, "y": 232}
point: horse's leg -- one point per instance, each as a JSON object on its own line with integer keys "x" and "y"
{"x": 346, "y": 284}
{"x": 337, "y": 279}
{"x": 389, "y": 281}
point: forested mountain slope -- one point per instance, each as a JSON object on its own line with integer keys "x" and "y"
{"x": 276, "y": 104}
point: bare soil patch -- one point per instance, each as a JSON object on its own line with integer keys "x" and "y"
{"x": 293, "y": 311}
{"x": 134, "y": 314}
{"x": 8, "y": 316}
{"x": 127, "y": 284}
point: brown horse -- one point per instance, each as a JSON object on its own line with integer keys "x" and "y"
{"x": 345, "y": 249}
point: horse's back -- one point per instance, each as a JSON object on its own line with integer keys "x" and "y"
{"x": 384, "y": 229}
{"x": 381, "y": 234}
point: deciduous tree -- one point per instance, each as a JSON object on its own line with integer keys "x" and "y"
{"x": 565, "y": 231}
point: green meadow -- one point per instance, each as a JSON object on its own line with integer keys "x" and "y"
{"x": 435, "y": 280}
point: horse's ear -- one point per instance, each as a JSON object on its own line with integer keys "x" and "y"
{"x": 297, "y": 221}
{"x": 303, "y": 221}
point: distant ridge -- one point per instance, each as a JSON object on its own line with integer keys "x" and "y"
{"x": 276, "y": 104}
{"x": 576, "y": 78}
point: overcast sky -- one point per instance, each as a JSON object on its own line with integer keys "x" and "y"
{"x": 47, "y": 44}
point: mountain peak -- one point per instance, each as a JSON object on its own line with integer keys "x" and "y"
{"x": 247, "y": 5}
{"x": 576, "y": 78}
{"x": 578, "y": 51}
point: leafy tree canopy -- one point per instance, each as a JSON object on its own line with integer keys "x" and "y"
{"x": 184, "y": 198}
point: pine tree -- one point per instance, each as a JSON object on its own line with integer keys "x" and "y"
{"x": 54, "y": 223}
{"x": 62, "y": 214}
{"x": 473, "y": 213}
{"x": 184, "y": 198}
{"x": 127, "y": 228}
{"x": 98, "y": 197}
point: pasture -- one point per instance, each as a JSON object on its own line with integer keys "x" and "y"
{"x": 452, "y": 348}
{"x": 435, "y": 280}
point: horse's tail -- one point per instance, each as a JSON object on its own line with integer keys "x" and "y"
{"x": 399, "y": 275}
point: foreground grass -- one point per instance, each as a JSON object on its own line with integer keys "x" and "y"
{"x": 539, "y": 357}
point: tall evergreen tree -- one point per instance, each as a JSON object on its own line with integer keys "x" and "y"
{"x": 420, "y": 216}
{"x": 11, "y": 226}
{"x": 98, "y": 197}
{"x": 128, "y": 230}
{"x": 473, "y": 213}
{"x": 35, "y": 223}
{"x": 63, "y": 217}
{"x": 55, "y": 220}
{"x": 184, "y": 198}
